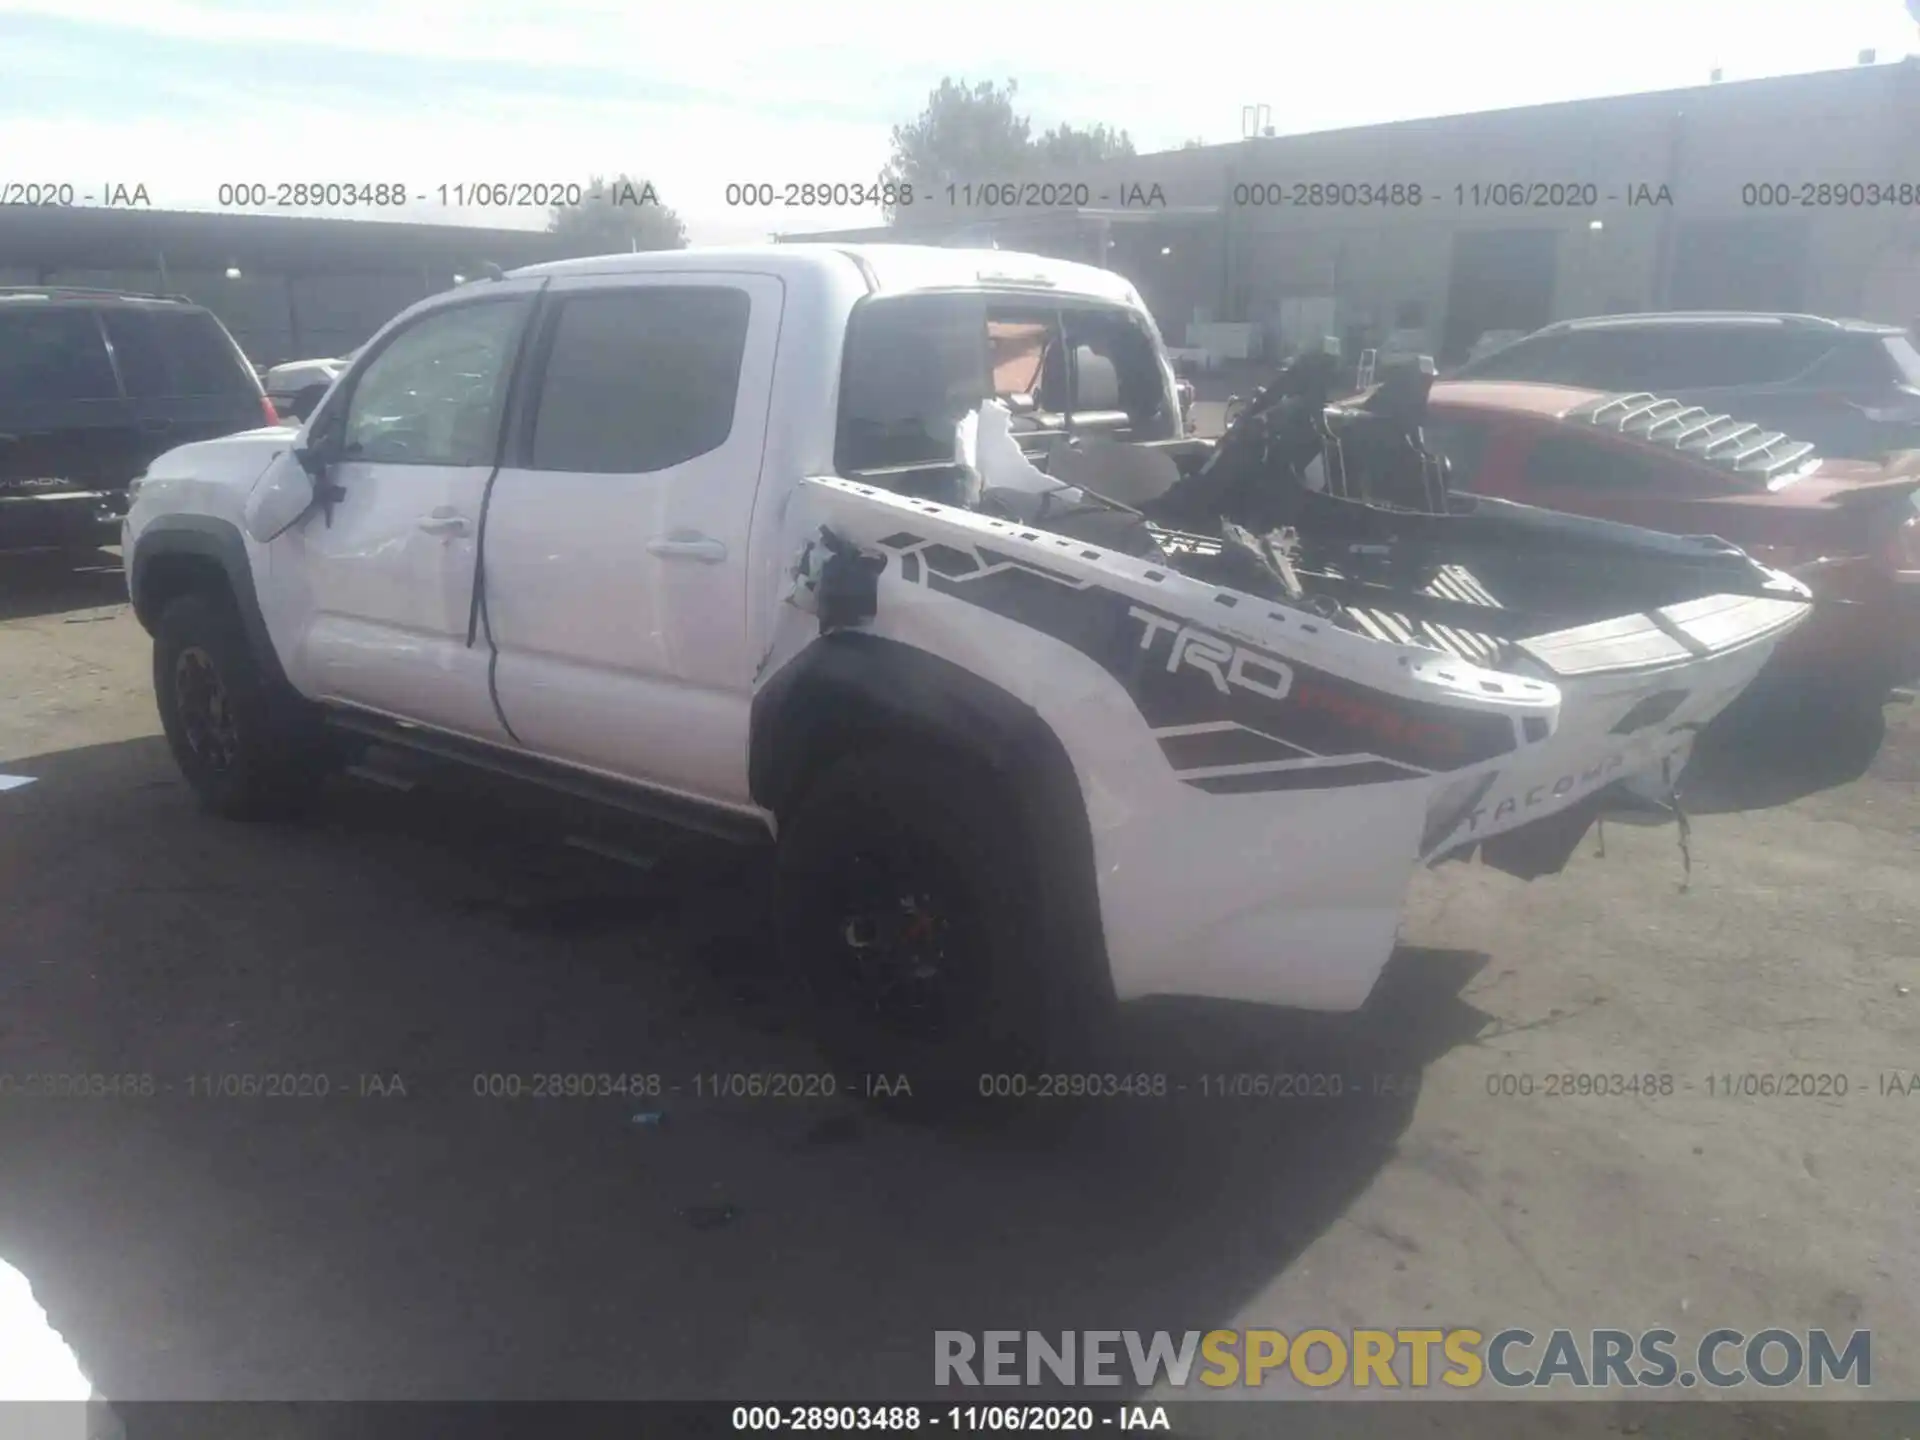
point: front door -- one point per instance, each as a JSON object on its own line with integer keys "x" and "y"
{"x": 388, "y": 567}
{"x": 616, "y": 567}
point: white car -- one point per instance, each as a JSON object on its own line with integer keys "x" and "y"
{"x": 297, "y": 386}
{"x": 747, "y": 538}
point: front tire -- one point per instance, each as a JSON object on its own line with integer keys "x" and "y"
{"x": 910, "y": 911}
{"x": 248, "y": 747}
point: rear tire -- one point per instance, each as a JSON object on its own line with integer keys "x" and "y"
{"x": 249, "y": 747}
{"x": 910, "y": 912}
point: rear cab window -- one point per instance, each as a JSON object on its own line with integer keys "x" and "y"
{"x": 915, "y": 364}
{"x": 52, "y": 354}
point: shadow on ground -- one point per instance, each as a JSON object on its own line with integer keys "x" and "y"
{"x": 35, "y": 583}
{"x": 454, "y": 1243}
{"x": 1763, "y": 752}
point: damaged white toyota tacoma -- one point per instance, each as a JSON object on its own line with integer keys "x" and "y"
{"x": 901, "y": 558}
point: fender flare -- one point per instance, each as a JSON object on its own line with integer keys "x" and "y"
{"x": 850, "y": 690}
{"x": 207, "y": 538}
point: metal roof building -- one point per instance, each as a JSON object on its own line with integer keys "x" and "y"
{"x": 1792, "y": 193}
{"x": 288, "y": 287}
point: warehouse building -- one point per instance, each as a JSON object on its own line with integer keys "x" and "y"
{"x": 287, "y": 287}
{"x": 1796, "y": 193}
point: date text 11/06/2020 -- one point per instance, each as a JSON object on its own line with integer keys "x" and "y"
{"x": 968, "y": 196}
{"x": 1829, "y": 1085}
{"x": 1412, "y": 194}
{"x": 464, "y": 194}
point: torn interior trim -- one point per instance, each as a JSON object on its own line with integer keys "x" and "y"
{"x": 837, "y": 581}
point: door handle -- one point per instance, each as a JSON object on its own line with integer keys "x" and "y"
{"x": 689, "y": 547}
{"x": 445, "y": 520}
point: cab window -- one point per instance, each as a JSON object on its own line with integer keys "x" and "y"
{"x": 433, "y": 394}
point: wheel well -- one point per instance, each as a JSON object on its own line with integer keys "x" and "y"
{"x": 168, "y": 576}
{"x": 853, "y": 692}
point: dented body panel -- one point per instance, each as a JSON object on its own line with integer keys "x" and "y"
{"x": 1260, "y": 784}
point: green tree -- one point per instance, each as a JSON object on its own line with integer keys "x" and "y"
{"x": 1065, "y": 146}
{"x": 972, "y": 134}
{"x": 966, "y": 133}
{"x": 616, "y": 216}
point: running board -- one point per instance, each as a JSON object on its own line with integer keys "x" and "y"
{"x": 634, "y": 799}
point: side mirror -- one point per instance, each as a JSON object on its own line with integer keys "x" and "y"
{"x": 314, "y": 459}
{"x": 305, "y": 401}
{"x": 293, "y": 480}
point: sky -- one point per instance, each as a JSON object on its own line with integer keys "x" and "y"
{"x": 185, "y": 95}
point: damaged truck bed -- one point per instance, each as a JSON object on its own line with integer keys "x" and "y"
{"x": 1295, "y": 673}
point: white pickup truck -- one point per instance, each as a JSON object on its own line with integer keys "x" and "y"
{"x": 824, "y": 546}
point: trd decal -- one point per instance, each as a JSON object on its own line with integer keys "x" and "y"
{"x": 1229, "y": 717}
{"x": 1207, "y": 653}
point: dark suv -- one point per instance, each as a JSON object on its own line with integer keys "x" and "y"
{"x": 93, "y": 385}
{"x": 1850, "y": 387}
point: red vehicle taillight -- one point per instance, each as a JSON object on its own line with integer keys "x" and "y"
{"x": 266, "y": 409}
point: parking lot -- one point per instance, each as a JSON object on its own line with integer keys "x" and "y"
{"x": 408, "y": 1237}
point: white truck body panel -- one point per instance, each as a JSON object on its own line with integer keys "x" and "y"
{"x": 1283, "y": 895}
{"x": 621, "y": 625}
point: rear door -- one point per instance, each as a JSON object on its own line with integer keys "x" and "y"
{"x": 185, "y": 378}
{"x": 616, "y": 568}
{"x": 62, "y": 415}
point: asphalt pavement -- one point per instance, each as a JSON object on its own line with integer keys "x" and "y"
{"x": 377, "y": 1214}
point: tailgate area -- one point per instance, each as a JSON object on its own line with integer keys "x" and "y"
{"x": 1671, "y": 635}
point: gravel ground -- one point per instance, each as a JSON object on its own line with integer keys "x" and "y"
{"x": 436, "y": 1244}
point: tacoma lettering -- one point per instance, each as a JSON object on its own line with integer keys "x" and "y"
{"x": 1559, "y": 789}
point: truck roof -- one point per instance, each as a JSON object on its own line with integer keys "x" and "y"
{"x": 889, "y": 269}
